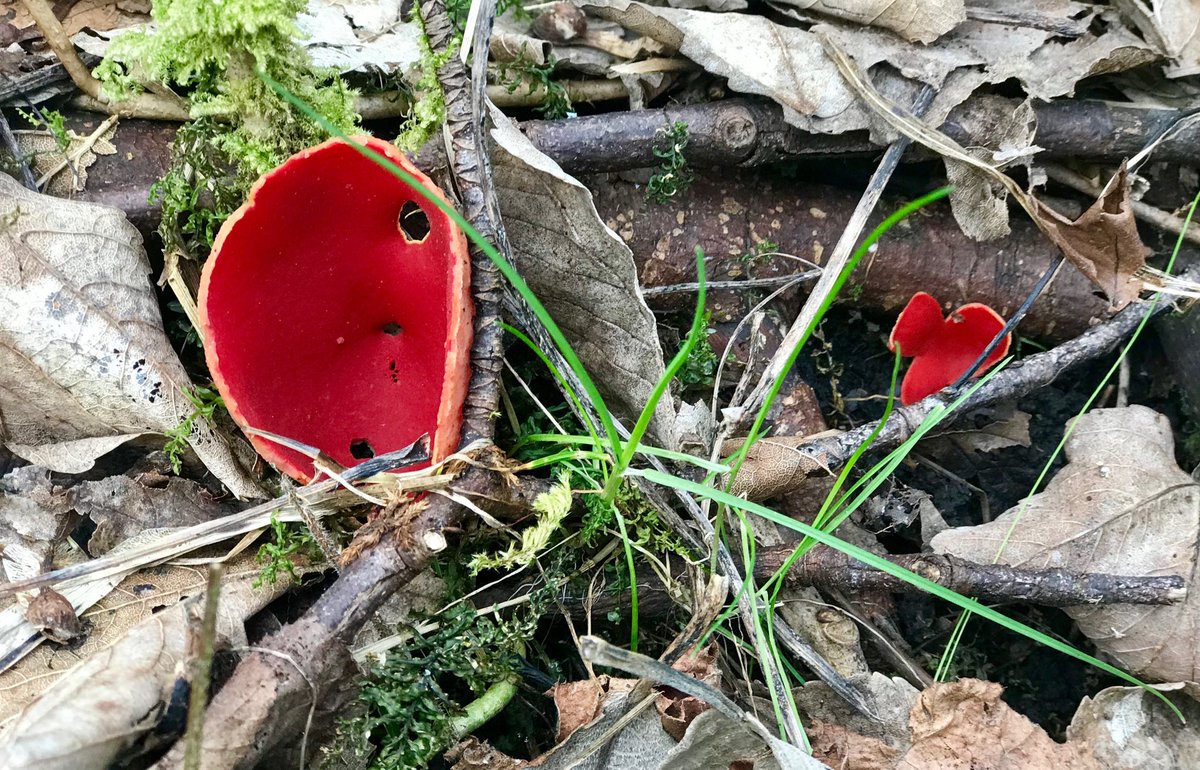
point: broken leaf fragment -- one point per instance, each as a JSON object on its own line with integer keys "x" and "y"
{"x": 84, "y": 363}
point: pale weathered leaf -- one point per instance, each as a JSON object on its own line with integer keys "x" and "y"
{"x": 359, "y": 36}
{"x": 756, "y": 55}
{"x": 1128, "y": 728}
{"x": 1120, "y": 506}
{"x": 85, "y": 717}
{"x": 83, "y": 355}
{"x": 1173, "y": 26}
{"x": 920, "y": 21}
{"x": 583, "y": 273}
{"x": 963, "y": 725}
{"x": 979, "y": 202}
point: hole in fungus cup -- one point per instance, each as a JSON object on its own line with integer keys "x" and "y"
{"x": 336, "y": 310}
{"x": 943, "y": 348}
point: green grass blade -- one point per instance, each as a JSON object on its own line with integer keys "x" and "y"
{"x": 506, "y": 269}
{"x": 912, "y": 578}
{"x": 643, "y": 423}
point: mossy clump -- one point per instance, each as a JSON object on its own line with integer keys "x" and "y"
{"x": 212, "y": 53}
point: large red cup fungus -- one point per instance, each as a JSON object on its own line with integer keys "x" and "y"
{"x": 336, "y": 310}
{"x": 943, "y": 348}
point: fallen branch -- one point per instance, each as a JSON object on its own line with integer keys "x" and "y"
{"x": 829, "y": 569}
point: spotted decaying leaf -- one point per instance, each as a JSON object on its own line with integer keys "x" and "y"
{"x": 84, "y": 363}
{"x": 79, "y": 707}
{"x": 919, "y": 21}
{"x": 1120, "y": 506}
{"x": 584, "y": 274}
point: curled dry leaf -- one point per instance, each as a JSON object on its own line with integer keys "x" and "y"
{"x": 84, "y": 363}
{"x": 1128, "y": 728}
{"x": 964, "y": 725}
{"x": 126, "y": 673}
{"x": 1103, "y": 243}
{"x": 918, "y": 21}
{"x": 1120, "y": 506}
{"x": 772, "y": 466}
{"x": 583, "y": 273}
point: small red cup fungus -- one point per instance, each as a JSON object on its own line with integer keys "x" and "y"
{"x": 943, "y": 348}
{"x": 336, "y": 310}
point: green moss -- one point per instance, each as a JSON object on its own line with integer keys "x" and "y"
{"x": 429, "y": 101}
{"x": 407, "y": 694}
{"x": 211, "y": 52}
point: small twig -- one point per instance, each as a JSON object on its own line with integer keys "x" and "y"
{"x": 202, "y": 670}
{"x": 749, "y": 283}
{"x": 10, "y": 142}
{"x": 188, "y": 539}
{"x": 1123, "y": 374}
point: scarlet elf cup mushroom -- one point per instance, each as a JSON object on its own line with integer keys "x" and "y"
{"x": 336, "y": 310}
{"x": 943, "y": 348}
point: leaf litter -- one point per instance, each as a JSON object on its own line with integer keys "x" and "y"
{"x": 1135, "y": 517}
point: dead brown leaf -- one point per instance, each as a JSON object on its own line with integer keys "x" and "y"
{"x": 838, "y": 747}
{"x": 964, "y": 725}
{"x": 578, "y": 703}
{"x": 1120, "y": 506}
{"x": 1103, "y": 243}
{"x": 84, "y": 363}
{"x": 772, "y": 466}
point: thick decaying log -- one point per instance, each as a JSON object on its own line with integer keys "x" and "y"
{"x": 746, "y": 132}
{"x": 727, "y": 214}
